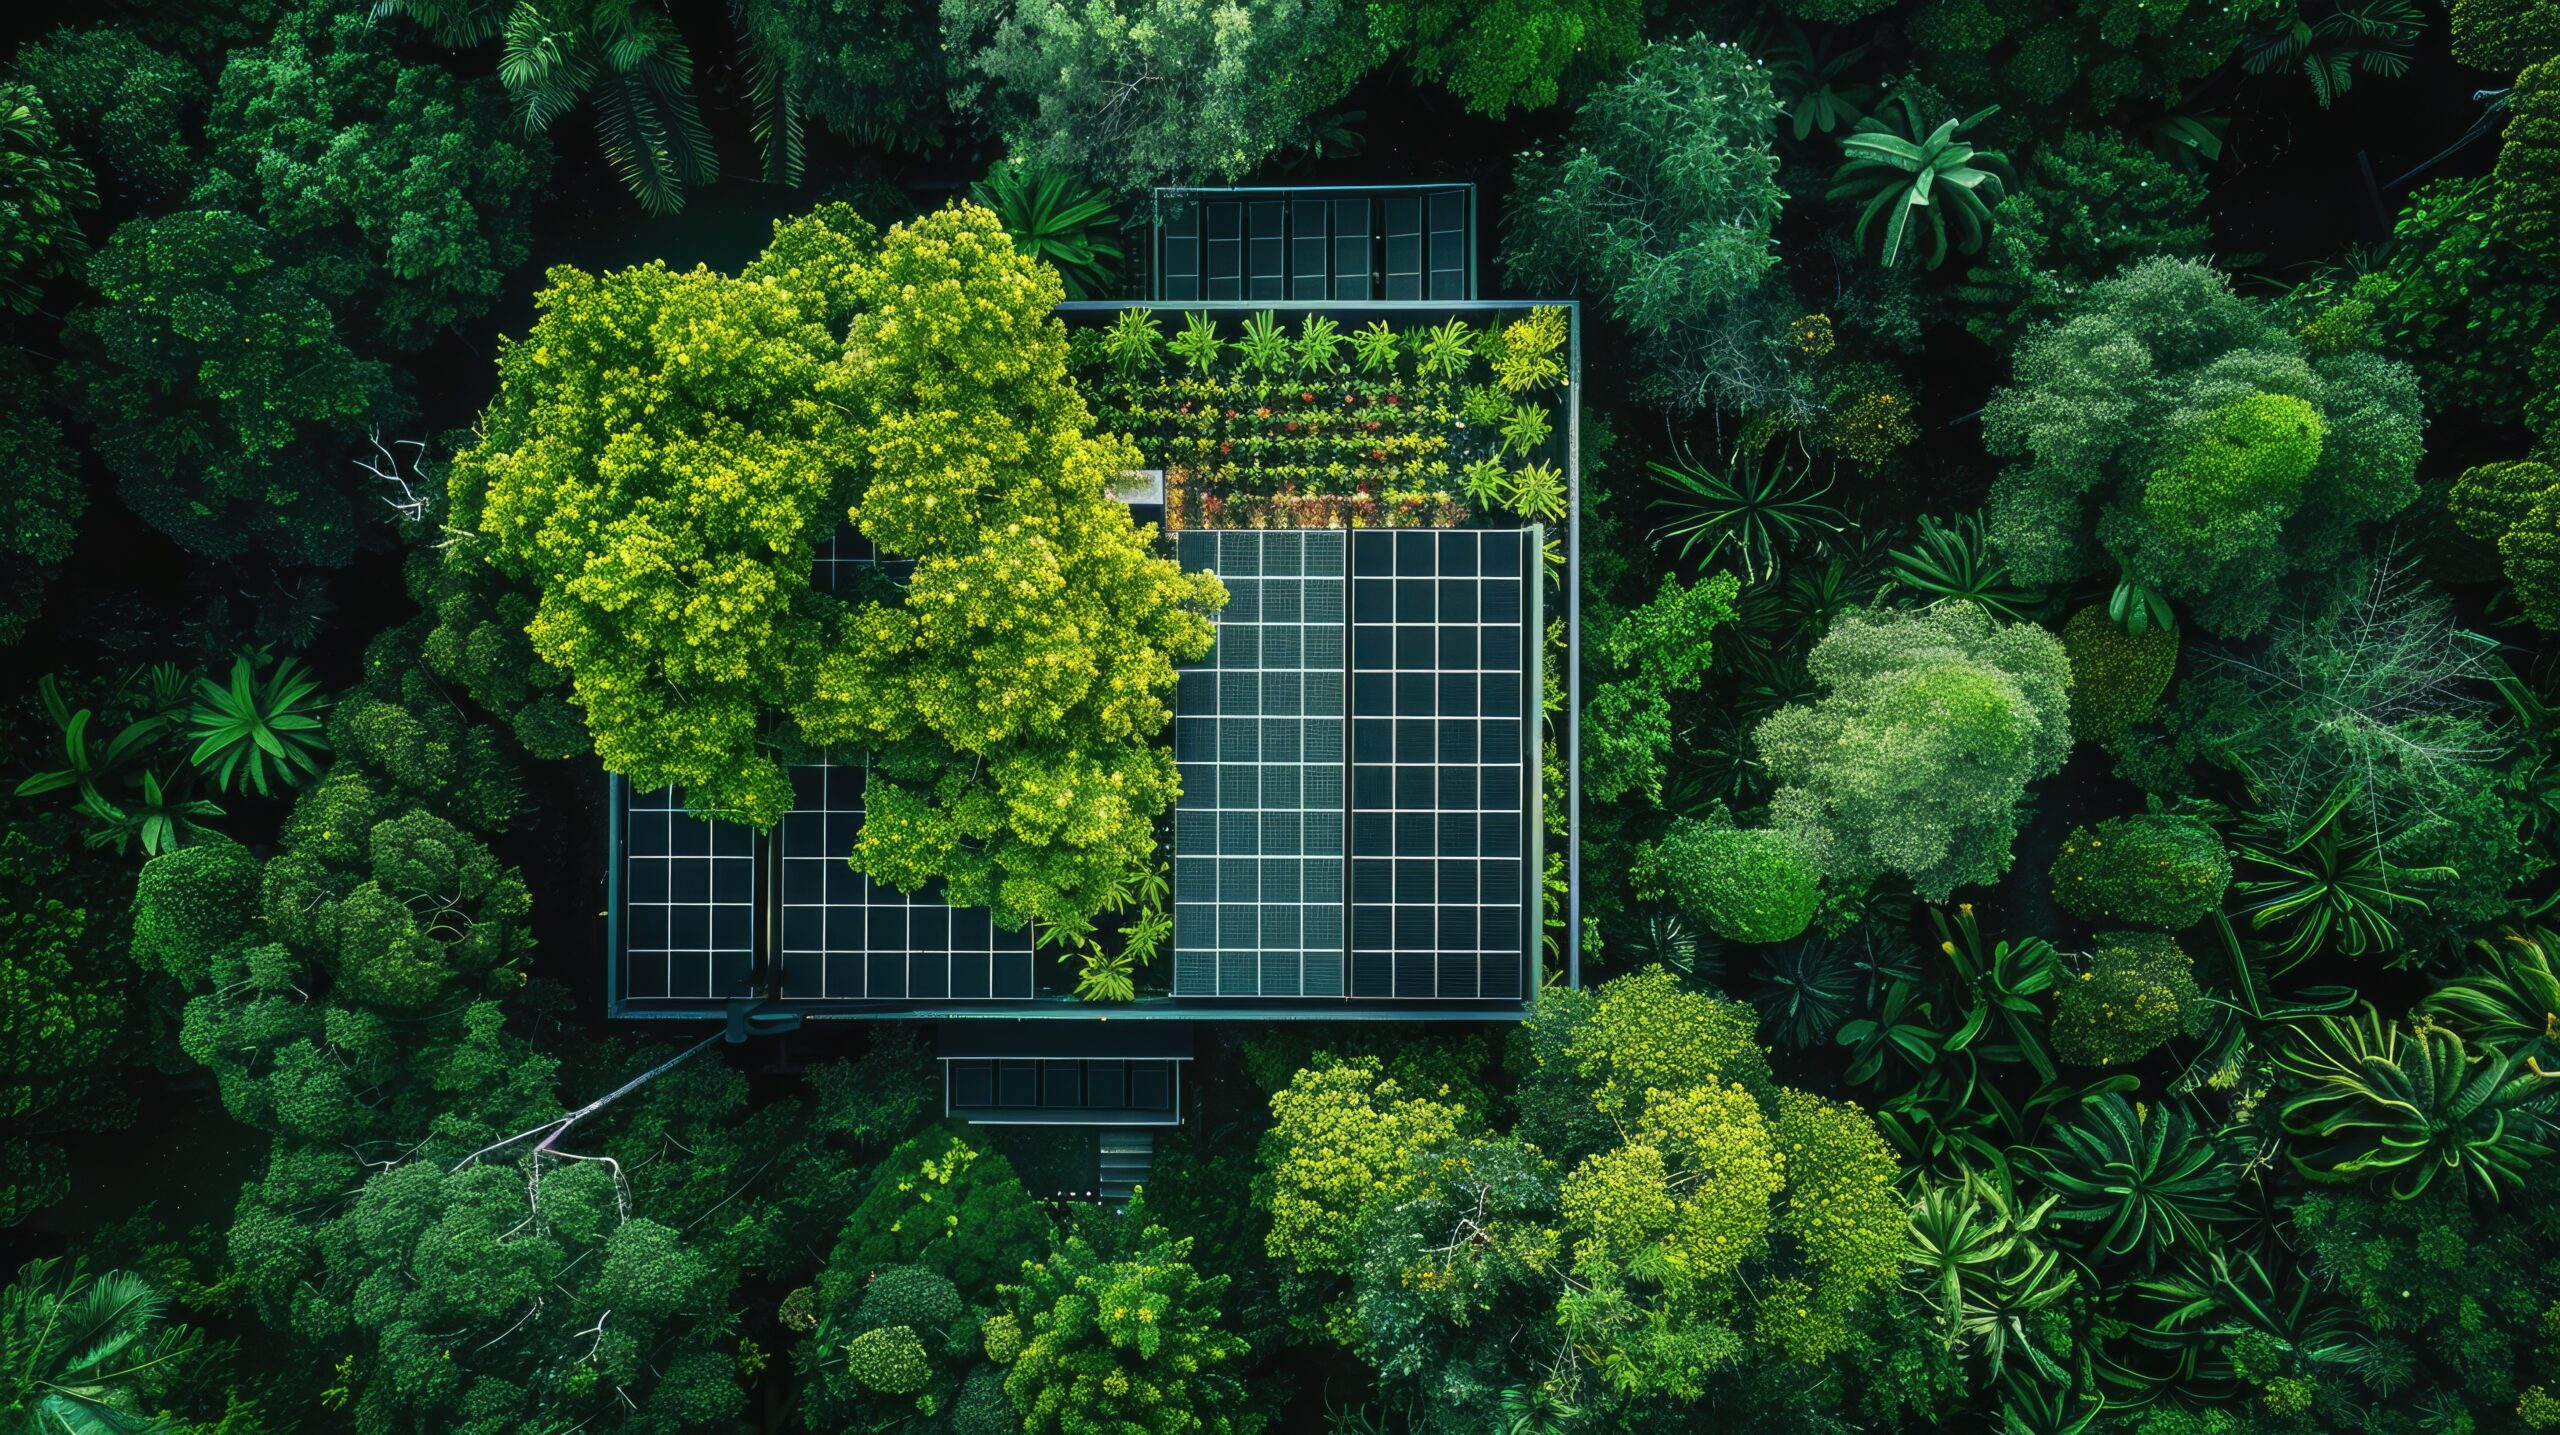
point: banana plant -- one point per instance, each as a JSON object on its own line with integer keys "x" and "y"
{"x": 2400, "y": 1105}
{"x": 1911, "y": 179}
{"x": 2151, "y": 1179}
{"x": 1997, "y": 989}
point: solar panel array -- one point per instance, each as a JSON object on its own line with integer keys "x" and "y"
{"x": 1433, "y": 796}
{"x": 1357, "y": 759}
{"x": 1257, "y": 871}
{"x": 848, "y": 938}
{"x": 1313, "y": 245}
{"x": 1441, "y": 724}
{"x": 689, "y": 899}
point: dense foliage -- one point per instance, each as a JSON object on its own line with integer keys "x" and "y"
{"x": 2039, "y": 529}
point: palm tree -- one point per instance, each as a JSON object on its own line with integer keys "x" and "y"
{"x": 626, "y": 57}
{"x": 72, "y": 1351}
{"x": 2329, "y": 40}
{"x": 1911, "y": 177}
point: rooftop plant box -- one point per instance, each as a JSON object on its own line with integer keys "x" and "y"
{"x": 1334, "y": 416}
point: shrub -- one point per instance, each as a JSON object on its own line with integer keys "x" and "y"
{"x": 889, "y": 1359}
{"x": 2137, "y": 991}
{"x": 2517, "y": 507}
{"x": 2152, "y": 869}
{"x": 2117, "y": 677}
{"x": 2085, "y": 206}
{"x": 1659, "y": 207}
{"x": 941, "y": 1203}
{"x": 2218, "y": 458}
{"x": 1914, "y": 760}
{"x": 909, "y": 1296}
{"x": 1153, "y": 91}
{"x": 1745, "y": 886}
{"x": 1125, "y": 1347}
{"x": 2528, "y": 176}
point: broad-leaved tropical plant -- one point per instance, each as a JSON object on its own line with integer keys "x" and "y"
{"x": 266, "y": 718}
{"x": 1911, "y": 180}
{"x": 2403, "y": 1104}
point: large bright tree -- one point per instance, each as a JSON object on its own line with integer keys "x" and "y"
{"x": 667, "y": 452}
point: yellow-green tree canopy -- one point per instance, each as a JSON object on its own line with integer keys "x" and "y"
{"x": 666, "y": 453}
{"x": 1012, "y": 694}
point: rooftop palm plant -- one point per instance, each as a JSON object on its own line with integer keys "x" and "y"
{"x": 630, "y": 61}
{"x": 1909, "y": 179}
{"x": 72, "y": 1348}
{"x": 2330, "y": 40}
{"x": 1058, "y": 221}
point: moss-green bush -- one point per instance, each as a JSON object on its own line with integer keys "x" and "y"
{"x": 889, "y": 1359}
{"x": 2116, "y": 677}
{"x": 2150, "y": 868}
{"x": 2137, "y": 991}
{"x": 1744, "y": 886}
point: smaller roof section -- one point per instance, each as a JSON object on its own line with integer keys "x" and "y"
{"x": 1327, "y": 243}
